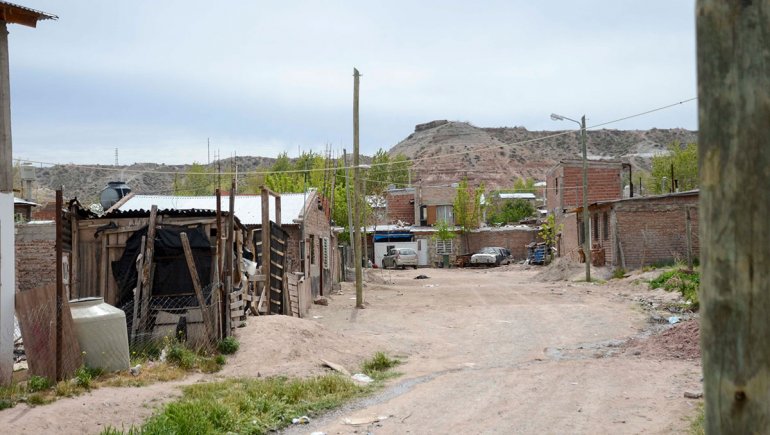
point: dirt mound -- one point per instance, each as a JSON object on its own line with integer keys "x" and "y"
{"x": 561, "y": 269}
{"x": 291, "y": 346}
{"x": 681, "y": 341}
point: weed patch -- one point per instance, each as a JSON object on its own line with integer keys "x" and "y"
{"x": 678, "y": 279}
{"x": 379, "y": 367}
{"x": 698, "y": 424}
{"x": 253, "y": 406}
{"x": 228, "y": 346}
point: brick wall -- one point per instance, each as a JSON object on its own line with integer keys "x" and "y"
{"x": 513, "y": 239}
{"x": 35, "y": 255}
{"x": 400, "y": 206}
{"x": 437, "y": 195}
{"x": 568, "y": 244}
{"x": 604, "y": 184}
{"x": 649, "y": 229}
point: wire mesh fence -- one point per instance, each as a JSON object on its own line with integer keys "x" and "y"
{"x": 54, "y": 340}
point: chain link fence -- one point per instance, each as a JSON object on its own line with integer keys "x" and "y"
{"x": 99, "y": 336}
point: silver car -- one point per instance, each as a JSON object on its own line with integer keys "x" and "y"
{"x": 400, "y": 257}
{"x": 491, "y": 256}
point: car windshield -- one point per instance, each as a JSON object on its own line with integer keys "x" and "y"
{"x": 492, "y": 251}
{"x": 407, "y": 251}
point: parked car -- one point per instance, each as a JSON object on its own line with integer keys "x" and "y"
{"x": 491, "y": 256}
{"x": 400, "y": 257}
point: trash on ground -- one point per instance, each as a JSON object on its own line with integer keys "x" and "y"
{"x": 422, "y": 277}
{"x": 430, "y": 285}
{"x": 364, "y": 420}
{"x": 135, "y": 370}
{"x": 321, "y": 301}
{"x": 360, "y": 377}
{"x": 673, "y": 320}
{"x": 301, "y": 420}
{"x": 317, "y": 433}
{"x": 318, "y": 317}
{"x": 335, "y": 367}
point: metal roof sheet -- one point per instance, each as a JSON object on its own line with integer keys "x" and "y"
{"x": 248, "y": 208}
{"x": 517, "y": 196}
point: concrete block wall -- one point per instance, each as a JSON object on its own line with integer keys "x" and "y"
{"x": 35, "y": 255}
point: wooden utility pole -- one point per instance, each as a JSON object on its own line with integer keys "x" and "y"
{"x": 356, "y": 196}
{"x": 347, "y": 195}
{"x": 734, "y": 118}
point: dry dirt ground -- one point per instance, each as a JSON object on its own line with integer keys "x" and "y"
{"x": 484, "y": 350}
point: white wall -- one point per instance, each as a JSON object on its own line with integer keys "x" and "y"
{"x": 7, "y": 286}
{"x": 421, "y": 248}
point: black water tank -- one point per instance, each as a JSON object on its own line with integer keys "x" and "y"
{"x": 111, "y": 194}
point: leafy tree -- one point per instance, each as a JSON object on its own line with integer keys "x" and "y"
{"x": 549, "y": 232}
{"x": 468, "y": 207}
{"x": 685, "y": 161}
{"x": 524, "y": 185}
{"x": 510, "y": 211}
{"x": 196, "y": 181}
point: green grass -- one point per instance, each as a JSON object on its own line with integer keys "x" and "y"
{"x": 247, "y": 406}
{"x": 679, "y": 279}
{"x": 38, "y": 383}
{"x": 698, "y": 423}
{"x": 618, "y": 273}
{"x": 379, "y": 367}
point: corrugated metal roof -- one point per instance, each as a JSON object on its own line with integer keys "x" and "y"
{"x": 517, "y": 196}
{"x": 23, "y": 202}
{"x": 14, "y": 13}
{"x": 248, "y": 208}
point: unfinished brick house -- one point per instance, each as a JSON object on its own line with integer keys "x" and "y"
{"x": 436, "y": 204}
{"x": 565, "y": 184}
{"x": 400, "y": 205}
{"x": 639, "y": 231}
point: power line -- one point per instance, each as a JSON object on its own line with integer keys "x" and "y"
{"x": 412, "y": 161}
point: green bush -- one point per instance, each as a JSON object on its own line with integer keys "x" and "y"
{"x": 618, "y": 273}
{"x": 379, "y": 363}
{"x": 228, "y": 346}
{"x": 38, "y": 383}
{"x": 182, "y": 357}
{"x": 85, "y": 375}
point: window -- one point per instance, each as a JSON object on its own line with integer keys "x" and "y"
{"x": 581, "y": 233}
{"x": 606, "y": 227}
{"x": 444, "y": 247}
{"x": 325, "y": 252}
{"x": 312, "y": 249}
{"x": 595, "y": 228}
{"x": 444, "y": 213}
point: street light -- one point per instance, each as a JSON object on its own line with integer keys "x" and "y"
{"x": 586, "y": 223}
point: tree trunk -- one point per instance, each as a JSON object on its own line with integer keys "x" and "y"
{"x": 734, "y": 163}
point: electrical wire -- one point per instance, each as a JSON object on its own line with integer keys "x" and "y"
{"x": 411, "y": 162}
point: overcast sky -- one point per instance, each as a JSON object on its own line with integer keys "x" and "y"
{"x": 155, "y": 79}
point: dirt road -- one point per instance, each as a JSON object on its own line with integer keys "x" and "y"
{"x": 493, "y": 351}
{"x": 484, "y": 350}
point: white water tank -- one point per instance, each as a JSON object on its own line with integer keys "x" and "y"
{"x": 102, "y": 334}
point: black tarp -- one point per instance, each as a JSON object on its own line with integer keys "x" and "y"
{"x": 172, "y": 277}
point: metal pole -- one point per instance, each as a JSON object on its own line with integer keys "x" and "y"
{"x": 586, "y": 221}
{"x": 356, "y": 196}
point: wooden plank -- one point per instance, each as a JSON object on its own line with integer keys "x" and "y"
{"x": 236, "y": 294}
{"x": 266, "y": 238}
{"x": 75, "y": 263}
{"x": 257, "y": 278}
{"x": 149, "y": 267}
{"x": 236, "y": 304}
{"x": 138, "y": 290}
{"x": 36, "y": 311}
{"x": 277, "y": 252}
{"x": 197, "y": 286}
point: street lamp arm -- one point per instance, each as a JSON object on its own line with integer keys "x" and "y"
{"x": 556, "y": 117}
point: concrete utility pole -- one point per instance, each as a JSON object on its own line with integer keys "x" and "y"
{"x": 357, "y": 196}
{"x": 13, "y": 14}
{"x": 733, "y": 144}
{"x": 586, "y": 215}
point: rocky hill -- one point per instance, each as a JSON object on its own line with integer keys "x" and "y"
{"x": 443, "y": 151}
{"x": 449, "y": 151}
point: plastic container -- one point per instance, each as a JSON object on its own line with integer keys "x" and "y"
{"x": 102, "y": 334}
